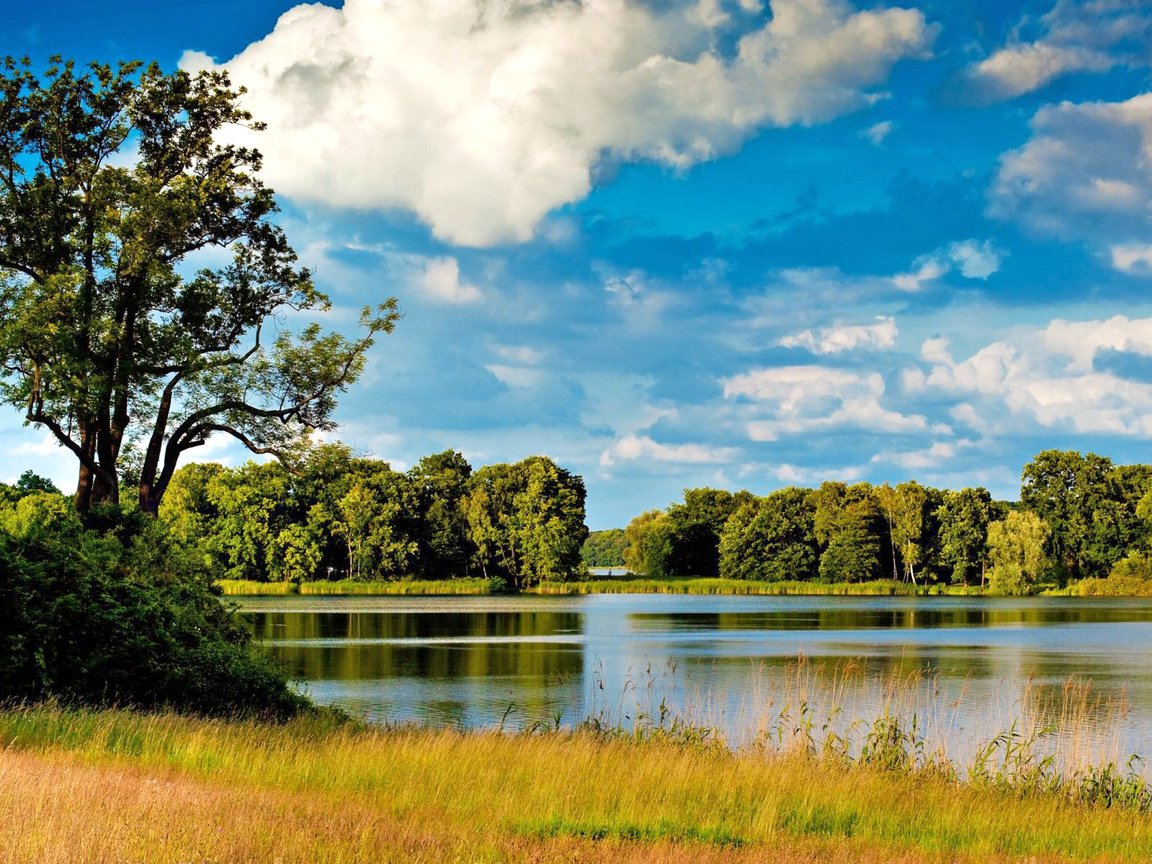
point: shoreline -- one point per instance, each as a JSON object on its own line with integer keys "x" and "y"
{"x": 639, "y": 585}
{"x": 317, "y": 787}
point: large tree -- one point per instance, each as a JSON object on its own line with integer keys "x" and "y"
{"x": 143, "y": 284}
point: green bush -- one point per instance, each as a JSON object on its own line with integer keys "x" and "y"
{"x": 115, "y": 613}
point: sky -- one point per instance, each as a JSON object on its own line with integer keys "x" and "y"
{"x": 725, "y": 243}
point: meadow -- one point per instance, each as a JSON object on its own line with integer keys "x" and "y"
{"x": 114, "y": 786}
{"x": 623, "y": 584}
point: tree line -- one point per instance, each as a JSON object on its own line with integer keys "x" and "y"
{"x": 1078, "y": 516}
{"x": 337, "y": 516}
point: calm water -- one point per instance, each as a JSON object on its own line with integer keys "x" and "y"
{"x": 966, "y": 667}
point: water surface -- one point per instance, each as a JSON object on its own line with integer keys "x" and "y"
{"x": 968, "y": 666}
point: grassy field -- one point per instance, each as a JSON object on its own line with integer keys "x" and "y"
{"x": 695, "y": 585}
{"x": 625, "y": 584}
{"x": 118, "y": 787}
{"x": 237, "y": 587}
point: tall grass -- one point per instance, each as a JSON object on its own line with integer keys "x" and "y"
{"x": 812, "y": 783}
{"x": 694, "y": 585}
{"x": 423, "y": 587}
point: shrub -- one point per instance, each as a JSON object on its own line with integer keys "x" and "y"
{"x": 116, "y": 613}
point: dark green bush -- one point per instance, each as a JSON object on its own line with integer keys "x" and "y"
{"x": 116, "y": 613}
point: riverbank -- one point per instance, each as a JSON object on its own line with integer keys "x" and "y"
{"x": 696, "y": 585}
{"x": 115, "y": 786}
{"x": 417, "y": 587}
{"x": 626, "y": 584}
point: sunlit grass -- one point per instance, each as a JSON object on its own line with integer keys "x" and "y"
{"x": 694, "y": 585}
{"x": 170, "y": 788}
{"x": 423, "y": 587}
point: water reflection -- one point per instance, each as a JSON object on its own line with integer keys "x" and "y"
{"x": 731, "y": 661}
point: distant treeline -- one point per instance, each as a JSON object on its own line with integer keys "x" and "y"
{"x": 1078, "y": 516}
{"x": 342, "y": 517}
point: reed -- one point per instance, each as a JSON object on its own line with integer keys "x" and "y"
{"x": 693, "y": 585}
{"x": 811, "y": 782}
{"x": 421, "y": 587}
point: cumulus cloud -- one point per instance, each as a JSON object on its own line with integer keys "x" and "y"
{"x": 928, "y": 458}
{"x": 1084, "y": 174}
{"x": 974, "y": 260}
{"x": 440, "y": 281}
{"x": 833, "y": 340}
{"x": 1052, "y": 376}
{"x": 1133, "y": 258}
{"x": 794, "y": 400}
{"x": 641, "y": 447}
{"x": 1075, "y": 36}
{"x": 877, "y": 132}
{"x": 480, "y": 117}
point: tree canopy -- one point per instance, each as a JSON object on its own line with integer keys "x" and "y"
{"x": 121, "y": 332}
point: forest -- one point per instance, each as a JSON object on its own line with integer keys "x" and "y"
{"x": 1078, "y": 517}
{"x": 338, "y": 517}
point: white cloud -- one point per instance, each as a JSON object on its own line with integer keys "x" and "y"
{"x": 525, "y": 355}
{"x": 833, "y": 340}
{"x": 1083, "y": 340}
{"x": 1085, "y": 173}
{"x": 1134, "y": 258}
{"x": 481, "y": 117}
{"x": 974, "y": 260}
{"x": 1077, "y": 36}
{"x": 927, "y": 458}
{"x": 879, "y": 131}
{"x": 517, "y": 376}
{"x": 641, "y": 447}
{"x": 440, "y": 280}
{"x": 1049, "y": 377}
{"x": 795, "y": 400}
{"x": 796, "y": 475}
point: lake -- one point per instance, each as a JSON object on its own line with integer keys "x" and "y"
{"x": 964, "y": 668}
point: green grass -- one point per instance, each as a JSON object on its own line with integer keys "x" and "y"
{"x": 512, "y": 791}
{"x": 236, "y": 587}
{"x": 696, "y": 585}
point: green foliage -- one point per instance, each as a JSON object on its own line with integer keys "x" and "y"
{"x": 121, "y": 615}
{"x": 359, "y": 520}
{"x": 963, "y": 518}
{"x": 526, "y": 522}
{"x": 1016, "y": 550}
{"x": 850, "y": 525}
{"x": 649, "y": 544}
{"x": 109, "y": 339}
{"x": 772, "y": 539}
{"x": 604, "y": 548}
{"x": 1090, "y": 505}
{"x": 441, "y": 486}
{"x": 683, "y": 540}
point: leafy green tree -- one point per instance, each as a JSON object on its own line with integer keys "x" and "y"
{"x": 772, "y": 538}
{"x": 850, "y": 526}
{"x": 697, "y": 524}
{"x": 107, "y": 339}
{"x": 649, "y": 544}
{"x": 376, "y": 517}
{"x": 909, "y": 510}
{"x": 526, "y": 521}
{"x": 604, "y": 548}
{"x": 1016, "y": 550}
{"x": 251, "y": 506}
{"x": 963, "y": 518}
{"x": 1066, "y": 490}
{"x": 30, "y": 482}
{"x": 441, "y": 485}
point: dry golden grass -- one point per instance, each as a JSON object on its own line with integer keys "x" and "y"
{"x": 56, "y": 810}
{"x": 120, "y": 787}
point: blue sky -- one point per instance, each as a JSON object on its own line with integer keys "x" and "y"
{"x": 728, "y": 243}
